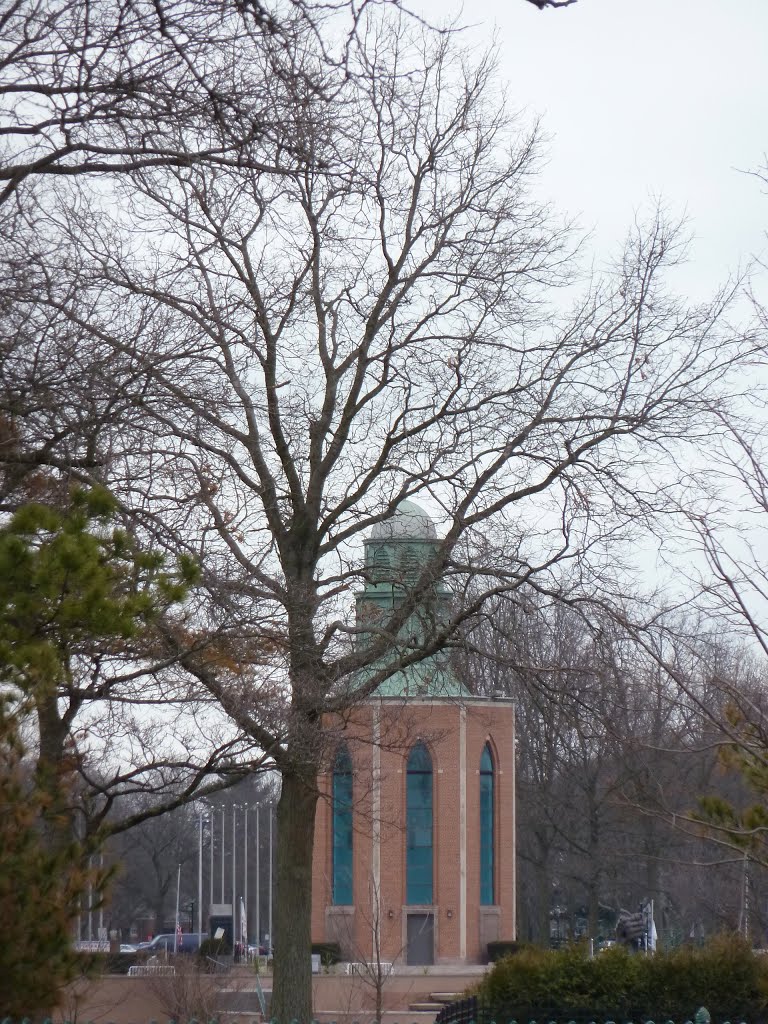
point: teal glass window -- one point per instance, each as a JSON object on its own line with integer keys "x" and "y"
{"x": 487, "y": 830}
{"x": 342, "y": 827}
{"x": 418, "y": 850}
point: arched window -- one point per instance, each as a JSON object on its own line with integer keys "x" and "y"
{"x": 418, "y": 850}
{"x": 487, "y": 837}
{"x": 342, "y": 827}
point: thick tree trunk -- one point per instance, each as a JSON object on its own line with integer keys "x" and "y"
{"x": 52, "y": 769}
{"x": 292, "y": 984}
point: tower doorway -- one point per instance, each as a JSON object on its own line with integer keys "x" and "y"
{"x": 421, "y": 939}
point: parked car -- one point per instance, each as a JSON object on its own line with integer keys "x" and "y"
{"x": 187, "y": 942}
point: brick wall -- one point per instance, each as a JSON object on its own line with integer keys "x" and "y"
{"x": 455, "y": 733}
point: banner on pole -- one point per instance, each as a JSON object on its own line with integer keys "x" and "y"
{"x": 243, "y": 924}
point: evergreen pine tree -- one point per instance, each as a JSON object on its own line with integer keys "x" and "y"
{"x": 74, "y": 589}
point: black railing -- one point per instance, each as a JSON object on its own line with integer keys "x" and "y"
{"x": 474, "y": 1011}
{"x": 461, "y": 1012}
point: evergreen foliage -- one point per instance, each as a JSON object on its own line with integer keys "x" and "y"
{"x": 74, "y": 589}
{"x": 726, "y": 976}
{"x": 72, "y": 582}
{"x": 40, "y": 889}
{"x": 740, "y": 827}
{"x": 501, "y": 948}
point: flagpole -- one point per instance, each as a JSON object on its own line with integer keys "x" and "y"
{"x": 245, "y": 868}
{"x": 222, "y": 853}
{"x": 258, "y": 884}
{"x": 200, "y": 877}
{"x": 176, "y": 933}
{"x": 234, "y": 873}
{"x": 271, "y": 939}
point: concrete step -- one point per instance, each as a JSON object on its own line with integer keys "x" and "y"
{"x": 425, "y": 1007}
{"x": 445, "y": 997}
{"x": 237, "y": 1002}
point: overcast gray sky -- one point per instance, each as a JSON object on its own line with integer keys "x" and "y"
{"x": 644, "y": 98}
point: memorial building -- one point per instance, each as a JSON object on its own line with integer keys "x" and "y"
{"x": 414, "y": 858}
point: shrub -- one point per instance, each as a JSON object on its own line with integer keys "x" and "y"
{"x": 725, "y": 976}
{"x": 330, "y": 952}
{"x": 191, "y": 993}
{"x": 112, "y": 963}
{"x": 501, "y": 948}
{"x": 214, "y": 948}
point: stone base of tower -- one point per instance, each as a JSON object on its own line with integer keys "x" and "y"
{"x": 464, "y": 857}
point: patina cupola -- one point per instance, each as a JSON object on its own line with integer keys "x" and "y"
{"x": 397, "y": 550}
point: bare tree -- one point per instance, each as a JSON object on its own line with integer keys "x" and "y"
{"x": 102, "y": 88}
{"x": 730, "y": 587}
{"x": 369, "y": 964}
{"x": 611, "y": 754}
{"x": 357, "y": 318}
{"x": 148, "y": 859}
{"x": 543, "y": 4}
{"x": 190, "y": 992}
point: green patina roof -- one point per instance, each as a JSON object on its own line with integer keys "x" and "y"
{"x": 425, "y": 679}
{"x": 410, "y": 522}
{"x": 394, "y": 551}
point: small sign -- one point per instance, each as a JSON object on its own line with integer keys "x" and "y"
{"x": 219, "y": 933}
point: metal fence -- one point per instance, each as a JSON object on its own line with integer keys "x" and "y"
{"x": 474, "y": 1011}
{"x": 470, "y": 1011}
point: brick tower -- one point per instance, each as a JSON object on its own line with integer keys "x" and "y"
{"x": 414, "y": 858}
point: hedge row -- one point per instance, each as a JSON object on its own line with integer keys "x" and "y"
{"x": 726, "y": 976}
